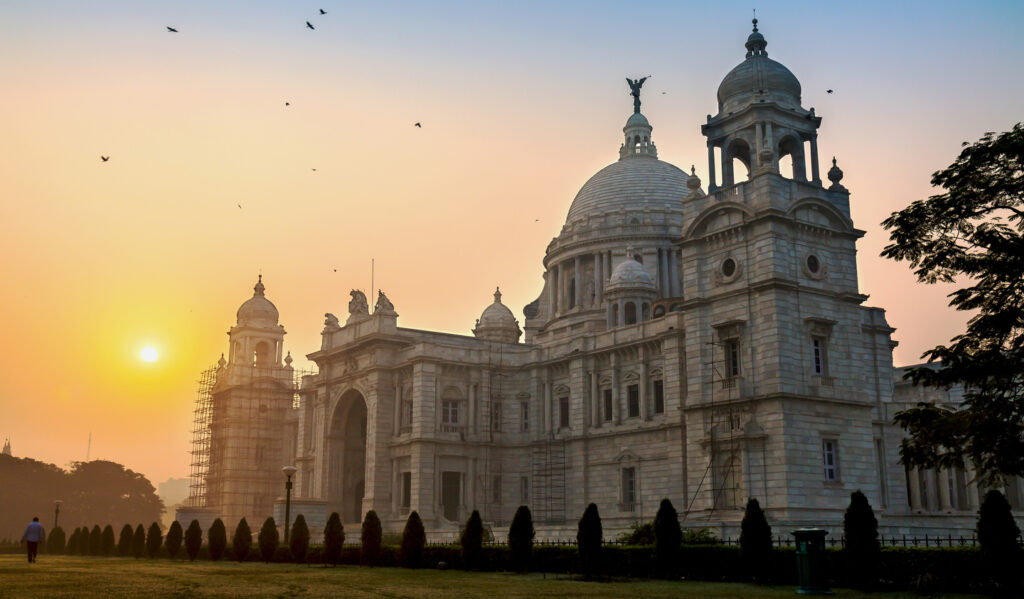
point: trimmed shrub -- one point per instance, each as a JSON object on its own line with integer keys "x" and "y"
{"x": 173, "y": 540}
{"x": 72, "y": 545}
{"x": 370, "y": 538}
{"x": 95, "y": 540}
{"x": 82, "y": 546}
{"x": 193, "y": 539}
{"x": 756, "y": 542}
{"x": 217, "y": 539}
{"x": 472, "y": 541}
{"x": 860, "y": 556}
{"x": 413, "y": 540}
{"x": 139, "y": 542}
{"x": 520, "y": 539}
{"x": 668, "y": 536}
{"x": 154, "y": 539}
{"x": 55, "y": 542}
{"x": 699, "y": 536}
{"x": 298, "y": 543}
{"x": 589, "y": 537}
{"x": 997, "y": 536}
{"x": 639, "y": 533}
{"x": 241, "y": 543}
{"x": 268, "y": 539}
{"x": 124, "y": 543}
{"x": 109, "y": 544}
{"x": 334, "y": 538}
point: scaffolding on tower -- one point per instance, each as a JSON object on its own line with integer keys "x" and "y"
{"x": 201, "y": 416}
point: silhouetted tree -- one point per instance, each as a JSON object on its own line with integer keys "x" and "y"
{"x": 520, "y": 539}
{"x": 193, "y": 540}
{"x": 668, "y": 536}
{"x": 173, "y": 540}
{"x": 217, "y": 539}
{"x": 334, "y": 538}
{"x": 472, "y": 541}
{"x": 72, "y": 546}
{"x": 55, "y": 542}
{"x": 154, "y": 539}
{"x": 756, "y": 542}
{"x": 413, "y": 540}
{"x": 268, "y": 539}
{"x": 370, "y": 537}
{"x": 124, "y": 543}
{"x": 861, "y": 553}
{"x": 108, "y": 545}
{"x": 96, "y": 540}
{"x": 997, "y": 535}
{"x": 139, "y": 542}
{"x": 241, "y": 543}
{"x": 299, "y": 539}
{"x": 83, "y": 541}
{"x": 589, "y": 537}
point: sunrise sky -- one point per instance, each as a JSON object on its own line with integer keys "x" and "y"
{"x": 520, "y": 102}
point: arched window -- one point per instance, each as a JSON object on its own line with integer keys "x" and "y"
{"x": 791, "y": 158}
{"x": 659, "y": 311}
{"x": 262, "y": 354}
{"x": 630, "y": 313}
{"x": 737, "y": 158}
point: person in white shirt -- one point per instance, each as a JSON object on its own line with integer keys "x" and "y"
{"x": 33, "y": 536}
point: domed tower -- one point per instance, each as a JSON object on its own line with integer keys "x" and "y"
{"x": 629, "y": 293}
{"x": 636, "y": 200}
{"x": 257, "y": 339}
{"x": 497, "y": 323}
{"x": 760, "y": 120}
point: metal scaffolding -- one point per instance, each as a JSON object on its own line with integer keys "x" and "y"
{"x": 201, "y": 416}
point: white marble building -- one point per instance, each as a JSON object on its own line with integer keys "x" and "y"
{"x": 705, "y": 346}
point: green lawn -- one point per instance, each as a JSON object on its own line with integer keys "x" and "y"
{"x": 63, "y": 576}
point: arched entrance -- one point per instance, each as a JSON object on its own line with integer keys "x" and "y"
{"x": 347, "y": 466}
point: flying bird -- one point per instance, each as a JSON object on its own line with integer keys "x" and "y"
{"x": 172, "y": 30}
{"x": 287, "y": 103}
{"x": 105, "y": 158}
{"x": 310, "y": 25}
{"x": 418, "y": 125}
{"x": 323, "y": 12}
{"x": 239, "y": 206}
{"x": 828, "y": 91}
{"x": 314, "y": 170}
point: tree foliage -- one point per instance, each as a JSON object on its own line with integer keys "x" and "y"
{"x": 520, "y": 539}
{"x": 972, "y": 232}
{"x": 55, "y": 541}
{"x": 124, "y": 543}
{"x": 756, "y": 541}
{"x": 668, "y": 536}
{"x": 139, "y": 542}
{"x": 370, "y": 537}
{"x": 268, "y": 539}
{"x": 241, "y": 543}
{"x": 472, "y": 540}
{"x": 217, "y": 539}
{"x": 95, "y": 540}
{"x": 173, "y": 540}
{"x": 997, "y": 535}
{"x": 334, "y": 538}
{"x": 414, "y": 538}
{"x": 72, "y": 547}
{"x": 589, "y": 537}
{"x": 862, "y": 551}
{"x": 193, "y": 540}
{"x": 299, "y": 539}
{"x": 154, "y": 539}
{"x": 109, "y": 543}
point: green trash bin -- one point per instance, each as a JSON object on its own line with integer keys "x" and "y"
{"x": 810, "y": 561}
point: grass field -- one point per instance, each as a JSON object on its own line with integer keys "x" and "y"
{"x": 62, "y": 576}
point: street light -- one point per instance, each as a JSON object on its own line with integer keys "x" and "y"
{"x": 288, "y": 471}
{"x": 56, "y": 512}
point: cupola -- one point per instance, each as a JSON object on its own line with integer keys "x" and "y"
{"x": 497, "y": 323}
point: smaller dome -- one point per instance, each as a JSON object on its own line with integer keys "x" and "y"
{"x": 758, "y": 77}
{"x": 637, "y": 120}
{"x": 497, "y": 323}
{"x": 257, "y": 311}
{"x": 630, "y": 275}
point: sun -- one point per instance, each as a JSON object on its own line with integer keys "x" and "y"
{"x": 149, "y": 354}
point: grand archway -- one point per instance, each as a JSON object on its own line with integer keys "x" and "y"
{"x": 347, "y": 466}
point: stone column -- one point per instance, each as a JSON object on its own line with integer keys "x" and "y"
{"x": 942, "y": 481}
{"x": 578, "y": 281}
{"x": 662, "y": 273}
{"x": 598, "y": 279}
{"x": 972, "y": 490}
{"x": 815, "y": 177}
{"x": 552, "y": 291}
{"x": 474, "y": 402}
{"x": 673, "y": 269}
{"x": 622, "y": 313}
{"x": 397, "y": 426}
{"x": 914, "y": 476}
{"x": 644, "y": 411}
{"x": 930, "y": 485}
{"x": 547, "y": 407}
{"x": 711, "y": 166}
{"x": 557, "y": 277}
{"x": 595, "y": 399}
{"x": 616, "y": 409}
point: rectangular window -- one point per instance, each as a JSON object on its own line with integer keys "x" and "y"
{"x": 819, "y": 355}
{"x": 607, "y": 405}
{"x": 524, "y": 490}
{"x": 633, "y": 394}
{"x": 732, "y": 358}
{"x": 406, "y": 413}
{"x": 830, "y": 452}
{"x": 659, "y": 397}
{"x": 496, "y": 417}
{"x": 628, "y": 489}
{"x": 406, "y": 489}
{"x": 524, "y": 422}
{"x": 496, "y": 489}
{"x": 450, "y": 412}
{"x": 563, "y": 412}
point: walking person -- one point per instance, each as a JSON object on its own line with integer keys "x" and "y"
{"x": 33, "y": 537}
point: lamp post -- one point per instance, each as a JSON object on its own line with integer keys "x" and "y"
{"x": 56, "y": 512}
{"x": 288, "y": 472}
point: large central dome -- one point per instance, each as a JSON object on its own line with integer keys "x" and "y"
{"x": 632, "y": 184}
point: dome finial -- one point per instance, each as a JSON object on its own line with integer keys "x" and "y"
{"x": 755, "y": 20}
{"x": 497, "y": 295}
{"x": 755, "y": 42}
{"x": 259, "y": 285}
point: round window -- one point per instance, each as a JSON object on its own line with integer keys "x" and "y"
{"x": 729, "y": 267}
{"x": 813, "y": 264}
